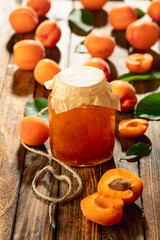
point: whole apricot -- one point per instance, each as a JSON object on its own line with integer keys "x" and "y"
{"x": 40, "y": 6}
{"x": 126, "y": 93}
{"x": 99, "y": 44}
{"x": 121, "y": 16}
{"x": 133, "y": 127}
{"x": 99, "y": 63}
{"x": 33, "y": 130}
{"x": 102, "y": 209}
{"x": 49, "y": 33}
{"x": 139, "y": 63}
{"x": 154, "y": 10}
{"x": 93, "y": 4}
{"x": 23, "y": 19}
{"x": 45, "y": 70}
{"x": 142, "y": 35}
{"x": 27, "y": 53}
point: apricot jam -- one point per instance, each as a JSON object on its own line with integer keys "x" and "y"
{"x": 81, "y": 117}
{"x": 83, "y": 136}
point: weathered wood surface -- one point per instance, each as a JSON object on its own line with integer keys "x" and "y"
{"x": 22, "y": 215}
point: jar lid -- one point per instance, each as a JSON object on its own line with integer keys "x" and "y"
{"x": 75, "y": 86}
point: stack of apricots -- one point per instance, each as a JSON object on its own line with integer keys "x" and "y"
{"x": 117, "y": 186}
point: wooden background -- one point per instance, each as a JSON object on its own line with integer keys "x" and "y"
{"x": 22, "y": 215}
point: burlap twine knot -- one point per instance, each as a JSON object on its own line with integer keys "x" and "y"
{"x": 54, "y": 200}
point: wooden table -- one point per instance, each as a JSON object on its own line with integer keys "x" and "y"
{"x": 22, "y": 214}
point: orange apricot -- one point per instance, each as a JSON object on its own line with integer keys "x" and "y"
{"x": 99, "y": 44}
{"x": 154, "y": 10}
{"x": 102, "y": 209}
{"x": 126, "y": 93}
{"x": 121, "y": 183}
{"x": 99, "y": 63}
{"x": 27, "y": 53}
{"x": 33, "y": 130}
{"x": 40, "y": 6}
{"x": 93, "y": 5}
{"x": 139, "y": 63}
{"x": 45, "y": 70}
{"x": 142, "y": 35}
{"x": 49, "y": 33}
{"x": 23, "y": 19}
{"x": 133, "y": 127}
{"x": 121, "y": 16}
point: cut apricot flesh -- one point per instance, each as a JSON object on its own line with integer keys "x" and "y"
{"x": 121, "y": 183}
{"x": 133, "y": 127}
{"x": 102, "y": 209}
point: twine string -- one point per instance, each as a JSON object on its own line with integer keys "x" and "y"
{"x": 54, "y": 200}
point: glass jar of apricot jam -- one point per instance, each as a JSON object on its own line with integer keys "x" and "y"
{"x": 81, "y": 116}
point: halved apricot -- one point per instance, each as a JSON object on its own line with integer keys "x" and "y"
{"x": 121, "y": 183}
{"x": 133, "y": 127}
{"x": 102, "y": 209}
{"x": 139, "y": 63}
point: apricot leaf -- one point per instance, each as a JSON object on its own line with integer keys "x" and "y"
{"x": 149, "y": 107}
{"x": 81, "y": 48}
{"x": 81, "y": 21}
{"x": 140, "y": 77}
{"x": 34, "y": 106}
{"x": 139, "y": 12}
{"x": 139, "y": 149}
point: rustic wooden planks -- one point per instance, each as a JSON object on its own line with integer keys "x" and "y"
{"x": 32, "y": 220}
{"x": 14, "y": 93}
{"x": 22, "y": 215}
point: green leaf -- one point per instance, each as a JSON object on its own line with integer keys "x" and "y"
{"x": 81, "y": 48}
{"x": 34, "y": 106}
{"x": 149, "y": 107}
{"x": 139, "y": 149}
{"x": 139, "y": 12}
{"x": 81, "y": 21}
{"x": 140, "y": 77}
